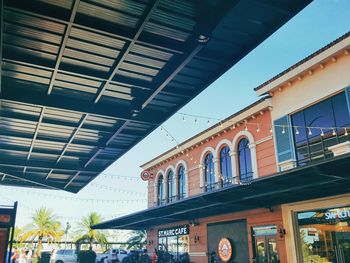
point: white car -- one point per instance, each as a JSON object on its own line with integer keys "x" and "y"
{"x": 66, "y": 256}
{"x": 113, "y": 255}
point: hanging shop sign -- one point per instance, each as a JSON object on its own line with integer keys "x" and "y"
{"x": 225, "y": 249}
{"x": 174, "y": 231}
{"x": 145, "y": 175}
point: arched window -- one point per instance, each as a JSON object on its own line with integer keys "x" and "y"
{"x": 225, "y": 166}
{"x": 244, "y": 161}
{"x": 209, "y": 172}
{"x": 161, "y": 192}
{"x": 171, "y": 186}
{"x": 181, "y": 182}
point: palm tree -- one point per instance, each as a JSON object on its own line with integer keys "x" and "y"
{"x": 87, "y": 234}
{"x": 44, "y": 226}
{"x": 137, "y": 238}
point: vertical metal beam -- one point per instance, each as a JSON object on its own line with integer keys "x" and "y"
{"x": 127, "y": 48}
{"x": 63, "y": 44}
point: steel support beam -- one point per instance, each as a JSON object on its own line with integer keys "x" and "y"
{"x": 36, "y": 132}
{"x": 166, "y": 81}
{"x": 39, "y": 164}
{"x": 124, "y": 53}
{"x": 63, "y": 44}
{"x": 69, "y": 142}
{"x": 117, "y": 112}
{"x": 151, "y": 41}
{"x": 22, "y": 177}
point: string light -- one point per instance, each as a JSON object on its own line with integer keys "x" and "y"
{"x": 258, "y": 128}
{"x": 333, "y": 133}
{"x": 322, "y": 133}
{"x": 270, "y": 129}
{"x": 310, "y": 132}
{"x": 345, "y": 132}
{"x": 296, "y": 131}
{"x": 246, "y": 128}
{"x": 183, "y": 118}
{"x": 208, "y": 121}
{"x": 195, "y": 120}
{"x": 283, "y": 130}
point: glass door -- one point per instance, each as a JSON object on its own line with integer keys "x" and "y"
{"x": 265, "y": 244}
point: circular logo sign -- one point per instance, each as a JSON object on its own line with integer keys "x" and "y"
{"x": 145, "y": 175}
{"x": 225, "y": 249}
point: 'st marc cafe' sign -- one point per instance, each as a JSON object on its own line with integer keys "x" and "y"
{"x": 174, "y": 231}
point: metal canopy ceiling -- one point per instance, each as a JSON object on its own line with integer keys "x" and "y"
{"x": 314, "y": 181}
{"x": 84, "y": 81}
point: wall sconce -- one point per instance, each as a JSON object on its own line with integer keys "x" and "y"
{"x": 282, "y": 232}
{"x": 194, "y": 222}
{"x": 196, "y": 238}
{"x": 150, "y": 242}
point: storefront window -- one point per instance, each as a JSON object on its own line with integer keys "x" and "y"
{"x": 173, "y": 242}
{"x": 325, "y": 235}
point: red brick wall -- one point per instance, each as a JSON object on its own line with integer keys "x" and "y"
{"x": 256, "y": 217}
{"x": 266, "y": 161}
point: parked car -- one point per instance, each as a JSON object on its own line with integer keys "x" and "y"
{"x": 133, "y": 256}
{"x": 45, "y": 257}
{"x": 66, "y": 256}
{"x": 113, "y": 255}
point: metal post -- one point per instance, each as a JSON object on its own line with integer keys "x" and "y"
{"x": 13, "y": 226}
{"x": 66, "y": 232}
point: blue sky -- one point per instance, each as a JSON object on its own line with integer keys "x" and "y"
{"x": 318, "y": 24}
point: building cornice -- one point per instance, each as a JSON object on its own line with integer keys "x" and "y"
{"x": 330, "y": 52}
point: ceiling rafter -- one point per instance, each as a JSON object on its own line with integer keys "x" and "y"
{"x": 118, "y": 131}
{"x": 165, "y": 82}
{"x": 22, "y": 177}
{"x": 34, "y": 136}
{"x": 123, "y": 54}
{"x": 63, "y": 44}
{"x": 151, "y": 43}
{"x": 81, "y": 123}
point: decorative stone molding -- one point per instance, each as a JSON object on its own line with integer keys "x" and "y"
{"x": 340, "y": 148}
{"x": 287, "y": 165}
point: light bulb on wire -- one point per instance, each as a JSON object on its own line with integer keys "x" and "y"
{"x": 310, "y": 132}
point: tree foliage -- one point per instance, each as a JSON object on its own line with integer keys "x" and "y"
{"x": 44, "y": 226}
{"x": 85, "y": 233}
{"x": 137, "y": 237}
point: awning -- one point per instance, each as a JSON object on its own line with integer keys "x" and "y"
{"x": 323, "y": 179}
{"x": 83, "y": 81}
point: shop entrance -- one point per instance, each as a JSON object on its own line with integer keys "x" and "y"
{"x": 265, "y": 244}
{"x": 325, "y": 235}
{"x": 235, "y": 232}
